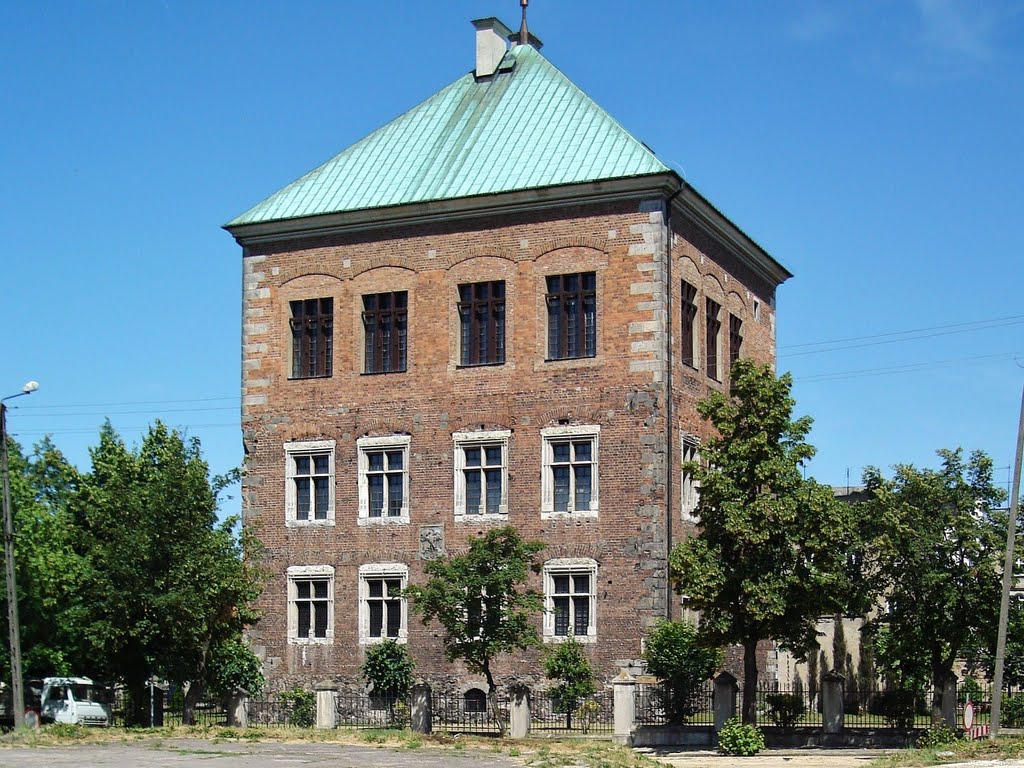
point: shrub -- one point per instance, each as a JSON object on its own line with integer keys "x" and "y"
{"x": 735, "y": 738}
{"x": 897, "y": 706}
{"x": 301, "y": 706}
{"x": 785, "y": 709}
{"x": 1012, "y": 715}
{"x": 936, "y": 736}
{"x": 676, "y": 657}
{"x": 568, "y": 664}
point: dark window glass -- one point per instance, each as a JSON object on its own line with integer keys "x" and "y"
{"x": 385, "y": 317}
{"x": 572, "y": 473}
{"x": 483, "y": 473}
{"x": 384, "y": 476}
{"x": 384, "y": 604}
{"x": 714, "y": 329}
{"x": 688, "y": 332}
{"x": 482, "y": 323}
{"x": 312, "y": 324}
{"x": 312, "y": 486}
{"x": 572, "y": 316}
{"x": 475, "y": 700}
{"x": 570, "y": 603}
{"x": 735, "y": 339}
{"x": 311, "y": 603}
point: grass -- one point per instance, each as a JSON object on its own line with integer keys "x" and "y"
{"x": 534, "y": 753}
{"x": 1003, "y": 748}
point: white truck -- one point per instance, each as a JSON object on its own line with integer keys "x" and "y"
{"x": 73, "y": 700}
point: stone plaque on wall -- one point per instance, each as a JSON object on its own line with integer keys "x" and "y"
{"x": 431, "y": 541}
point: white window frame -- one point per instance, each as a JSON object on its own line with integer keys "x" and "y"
{"x": 292, "y": 451}
{"x": 364, "y": 446}
{"x": 569, "y": 566}
{"x": 464, "y": 440}
{"x": 550, "y": 436}
{"x": 689, "y": 486}
{"x": 297, "y": 573}
{"x": 381, "y": 571}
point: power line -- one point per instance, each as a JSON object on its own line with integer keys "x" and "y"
{"x": 128, "y": 402}
{"x": 129, "y": 413}
{"x": 894, "y": 341}
{"x": 906, "y": 368}
{"x": 902, "y": 333}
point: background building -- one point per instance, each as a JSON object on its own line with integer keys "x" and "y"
{"x": 500, "y": 308}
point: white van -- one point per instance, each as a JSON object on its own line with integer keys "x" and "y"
{"x": 74, "y": 700}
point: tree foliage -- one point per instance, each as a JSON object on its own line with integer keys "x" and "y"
{"x": 125, "y": 571}
{"x": 481, "y": 601}
{"x": 770, "y": 557}
{"x": 388, "y": 668}
{"x": 935, "y": 549}
{"x": 567, "y": 663}
{"x": 675, "y": 655}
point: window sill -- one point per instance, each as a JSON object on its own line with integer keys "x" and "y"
{"x": 383, "y": 373}
{"x": 590, "y": 638}
{"x": 293, "y": 523}
{"x": 470, "y": 366}
{"x": 364, "y": 640}
{"x": 588, "y": 515}
{"x": 383, "y": 521}
{"x": 310, "y": 641}
{"x": 568, "y": 363}
{"x": 487, "y": 517}
{"x": 307, "y": 378}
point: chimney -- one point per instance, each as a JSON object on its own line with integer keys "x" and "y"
{"x": 491, "y": 35}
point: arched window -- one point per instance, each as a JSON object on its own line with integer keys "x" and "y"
{"x": 474, "y": 700}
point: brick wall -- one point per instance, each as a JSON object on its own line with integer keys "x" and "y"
{"x": 622, "y": 389}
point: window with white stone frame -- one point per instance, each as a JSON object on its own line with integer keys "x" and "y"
{"x": 481, "y": 475}
{"x": 311, "y": 604}
{"x": 570, "y": 599}
{"x": 383, "y": 613}
{"x": 383, "y": 479}
{"x": 309, "y": 483}
{"x": 689, "y": 486}
{"x": 569, "y": 471}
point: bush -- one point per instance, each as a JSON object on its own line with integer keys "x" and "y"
{"x": 896, "y": 706}
{"x": 936, "y": 736}
{"x": 568, "y": 664}
{"x": 785, "y": 709}
{"x": 675, "y": 655}
{"x": 735, "y": 738}
{"x": 301, "y": 706}
{"x": 1012, "y": 715}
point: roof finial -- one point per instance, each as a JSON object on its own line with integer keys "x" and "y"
{"x": 524, "y": 33}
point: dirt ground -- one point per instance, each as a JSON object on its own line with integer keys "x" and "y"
{"x": 771, "y": 758}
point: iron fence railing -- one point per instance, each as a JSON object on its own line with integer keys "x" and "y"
{"x": 362, "y": 709}
{"x": 550, "y": 714}
{"x": 661, "y": 704}
{"x": 468, "y": 712}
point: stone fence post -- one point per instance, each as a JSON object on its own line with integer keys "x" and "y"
{"x": 421, "y": 714}
{"x": 949, "y": 700}
{"x": 833, "y": 712}
{"x": 624, "y": 703}
{"x": 519, "y": 712}
{"x": 326, "y": 704}
{"x": 726, "y": 689}
{"x": 237, "y": 709}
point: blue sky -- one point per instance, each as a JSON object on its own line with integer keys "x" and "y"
{"x": 874, "y": 148}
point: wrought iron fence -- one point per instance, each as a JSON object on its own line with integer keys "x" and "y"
{"x": 272, "y": 711}
{"x": 660, "y": 704}
{"x": 467, "y": 712}
{"x": 357, "y": 708}
{"x": 551, "y": 715}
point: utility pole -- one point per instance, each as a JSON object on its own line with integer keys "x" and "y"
{"x": 1004, "y": 604}
{"x": 17, "y": 683}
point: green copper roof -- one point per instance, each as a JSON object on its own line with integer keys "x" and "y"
{"x": 523, "y": 128}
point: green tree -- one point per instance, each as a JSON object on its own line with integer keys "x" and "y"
{"x": 48, "y": 571}
{"x": 567, "y": 663}
{"x": 166, "y": 583}
{"x": 770, "y": 556}
{"x": 674, "y": 654}
{"x": 388, "y": 670}
{"x": 937, "y": 555}
{"x": 481, "y": 601}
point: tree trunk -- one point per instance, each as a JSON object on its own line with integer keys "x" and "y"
{"x": 492, "y": 700}
{"x": 195, "y": 692}
{"x": 750, "y": 682}
{"x": 138, "y": 712}
{"x": 939, "y": 676}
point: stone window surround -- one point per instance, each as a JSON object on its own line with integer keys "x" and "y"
{"x": 689, "y": 487}
{"x": 376, "y": 571}
{"x": 299, "y": 448}
{"x": 571, "y": 566}
{"x": 465, "y": 440}
{"x": 550, "y": 435}
{"x": 297, "y": 573}
{"x": 365, "y": 444}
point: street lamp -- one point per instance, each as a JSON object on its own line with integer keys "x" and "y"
{"x": 17, "y": 689}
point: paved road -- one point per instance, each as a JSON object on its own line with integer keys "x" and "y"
{"x": 771, "y": 758}
{"x": 176, "y": 753}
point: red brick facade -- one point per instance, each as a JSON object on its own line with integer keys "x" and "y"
{"x": 641, "y": 403}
